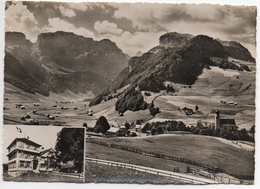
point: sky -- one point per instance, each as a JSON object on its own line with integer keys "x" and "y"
{"x": 133, "y": 26}
{"x": 43, "y": 135}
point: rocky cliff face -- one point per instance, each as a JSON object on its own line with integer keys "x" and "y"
{"x": 16, "y": 38}
{"x": 174, "y": 39}
{"x": 60, "y": 61}
{"x": 82, "y": 54}
{"x": 237, "y": 51}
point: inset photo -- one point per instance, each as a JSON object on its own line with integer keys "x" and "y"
{"x": 43, "y": 154}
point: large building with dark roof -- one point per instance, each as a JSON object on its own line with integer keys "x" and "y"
{"x": 22, "y": 155}
{"x": 25, "y": 155}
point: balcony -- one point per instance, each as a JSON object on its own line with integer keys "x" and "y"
{"x": 37, "y": 151}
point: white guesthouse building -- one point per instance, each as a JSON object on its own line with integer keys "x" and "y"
{"x": 25, "y": 155}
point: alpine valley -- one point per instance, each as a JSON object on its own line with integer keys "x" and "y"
{"x": 62, "y": 74}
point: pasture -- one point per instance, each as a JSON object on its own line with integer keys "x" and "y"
{"x": 98, "y": 173}
{"x": 194, "y": 147}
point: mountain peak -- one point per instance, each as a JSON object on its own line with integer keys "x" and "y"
{"x": 174, "y": 39}
{"x": 237, "y": 51}
{"x": 16, "y": 38}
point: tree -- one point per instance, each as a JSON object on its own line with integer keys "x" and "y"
{"x": 127, "y": 125}
{"x": 252, "y": 129}
{"x": 153, "y": 131}
{"x": 243, "y": 134}
{"x": 101, "y": 125}
{"x": 85, "y": 125}
{"x": 196, "y": 108}
{"x": 180, "y": 126}
{"x": 70, "y": 146}
{"x": 160, "y": 130}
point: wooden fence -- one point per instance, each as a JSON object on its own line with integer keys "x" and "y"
{"x": 179, "y": 178}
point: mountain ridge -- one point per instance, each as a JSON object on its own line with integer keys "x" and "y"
{"x": 54, "y": 57}
{"x": 178, "y": 62}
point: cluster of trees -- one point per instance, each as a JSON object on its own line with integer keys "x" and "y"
{"x": 152, "y": 83}
{"x": 224, "y": 132}
{"x": 172, "y": 125}
{"x": 131, "y": 100}
{"x": 161, "y": 127}
{"x": 225, "y": 64}
{"x": 153, "y": 110}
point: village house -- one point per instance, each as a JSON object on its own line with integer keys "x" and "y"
{"x": 47, "y": 160}
{"x": 141, "y": 128}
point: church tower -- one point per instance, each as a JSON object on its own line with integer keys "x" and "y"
{"x": 217, "y": 120}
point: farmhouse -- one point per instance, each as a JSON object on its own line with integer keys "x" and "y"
{"x": 142, "y": 128}
{"x": 47, "y": 159}
{"x": 230, "y": 124}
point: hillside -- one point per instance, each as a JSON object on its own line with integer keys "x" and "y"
{"x": 59, "y": 60}
{"x": 215, "y": 152}
{"x": 192, "y": 71}
{"x": 181, "y": 62}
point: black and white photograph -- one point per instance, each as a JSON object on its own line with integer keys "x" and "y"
{"x": 43, "y": 154}
{"x": 164, "y": 92}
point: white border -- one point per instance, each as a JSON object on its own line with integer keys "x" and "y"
{"x": 13, "y": 185}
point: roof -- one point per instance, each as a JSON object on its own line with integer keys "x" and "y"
{"x": 69, "y": 164}
{"x": 140, "y": 126}
{"x": 113, "y": 129}
{"x": 47, "y": 150}
{"x": 227, "y": 122}
{"x": 25, "y": 140}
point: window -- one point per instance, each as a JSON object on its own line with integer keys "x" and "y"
{"x": 12, "y": 165}
{"x": 27, "y": 164}
{"x": 20, "y": 144}
{"x": 21, "y": 164}
{"x": 13, "y": 156}
{"x": 21, "y": 154}
{"x": 42, "y": 165}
